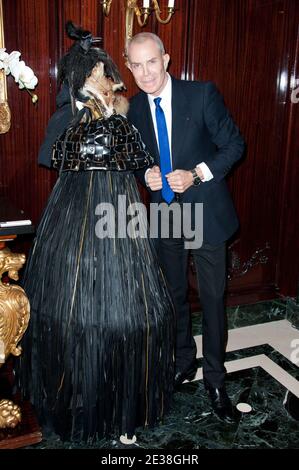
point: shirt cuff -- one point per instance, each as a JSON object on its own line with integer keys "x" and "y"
{"x": 207, "y": 174}
{"x": 145, "y": 179}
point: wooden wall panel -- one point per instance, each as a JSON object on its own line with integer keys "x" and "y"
{"x": 36, "y": 29}
{"x": 248, "y": 47}
{"x": 262, "y": 110}
{"x": 287, "y": 273}
{"x": 113, "y": 33}
{"x": 26, "y": 25}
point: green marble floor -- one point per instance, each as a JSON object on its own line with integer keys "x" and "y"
{"x": 272, "y": 424}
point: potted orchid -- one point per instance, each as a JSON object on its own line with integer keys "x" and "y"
{"x": 23, "y": 75}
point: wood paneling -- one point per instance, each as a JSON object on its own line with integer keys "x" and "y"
{"x": 249, "y": 48}
{"x": 27, "y": 29}
{"x": 287, "y": 277}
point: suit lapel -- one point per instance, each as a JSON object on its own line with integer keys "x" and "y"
{"x": 180, "y": 120}
{"x": 146, "y": 128}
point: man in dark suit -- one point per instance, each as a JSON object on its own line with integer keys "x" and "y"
{"x": 195, "y": 143}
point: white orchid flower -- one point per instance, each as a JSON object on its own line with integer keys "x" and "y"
{"x": 15, "y": 65}
{"x": 4, "y": 60}
{"x": 22, "y": 74}
{"x": 2, "y": 52}
{"x": 11, "y": 62}
{"x": 14, "y": 55}
{"x": 27, "y": 78}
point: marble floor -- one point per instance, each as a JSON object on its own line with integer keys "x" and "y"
{"x": 262, "y": 362}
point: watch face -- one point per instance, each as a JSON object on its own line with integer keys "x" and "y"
{"x": 196, "y": 178}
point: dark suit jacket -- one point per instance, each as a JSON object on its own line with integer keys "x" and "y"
{"x": 202, "y": 131}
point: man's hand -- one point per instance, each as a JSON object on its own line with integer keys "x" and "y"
{"x": 180, "y": 180}
{"x": 154, "y": 178}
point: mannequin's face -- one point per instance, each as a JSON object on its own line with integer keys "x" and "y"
{"x": 96, "y": 75}
{"x": 148, "y": 66}
{"x": 98, "y": 85}
{"x": 97, "y": 82}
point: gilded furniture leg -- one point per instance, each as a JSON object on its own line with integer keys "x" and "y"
{"x": 14, "y": 318}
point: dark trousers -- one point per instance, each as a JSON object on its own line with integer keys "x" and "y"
{"x": 210, "y": 263}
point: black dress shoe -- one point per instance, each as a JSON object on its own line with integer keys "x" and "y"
{"x": 221, "y": 404}
{"x": 187, "y": 374}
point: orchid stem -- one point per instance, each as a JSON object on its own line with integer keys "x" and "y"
{"x": 34, "y": 97}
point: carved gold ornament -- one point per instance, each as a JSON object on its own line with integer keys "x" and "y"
{"x": 14, "y": 305}
{"x": 5, "y": 116}
{"x": 14, "y": 318}
{"x": 10, "y": 414}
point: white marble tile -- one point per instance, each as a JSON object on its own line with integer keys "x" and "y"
{"x": 280, "y": 335}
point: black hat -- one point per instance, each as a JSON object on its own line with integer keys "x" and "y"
{"x": 81, "y": 58}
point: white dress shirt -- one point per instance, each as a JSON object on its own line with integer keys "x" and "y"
{"x": 166, "y": 95}
{"x": 165, "y": 104}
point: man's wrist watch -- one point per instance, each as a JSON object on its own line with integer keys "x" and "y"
{"x": 196, "y": 178}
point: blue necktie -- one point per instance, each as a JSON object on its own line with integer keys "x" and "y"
{"x": 165, "y": 161}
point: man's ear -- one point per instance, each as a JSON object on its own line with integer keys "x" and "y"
{"x": 127, "y": 64}
{"x": 166, "y": 59}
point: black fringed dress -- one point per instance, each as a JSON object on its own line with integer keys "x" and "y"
{"x": 98, "y": 354}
